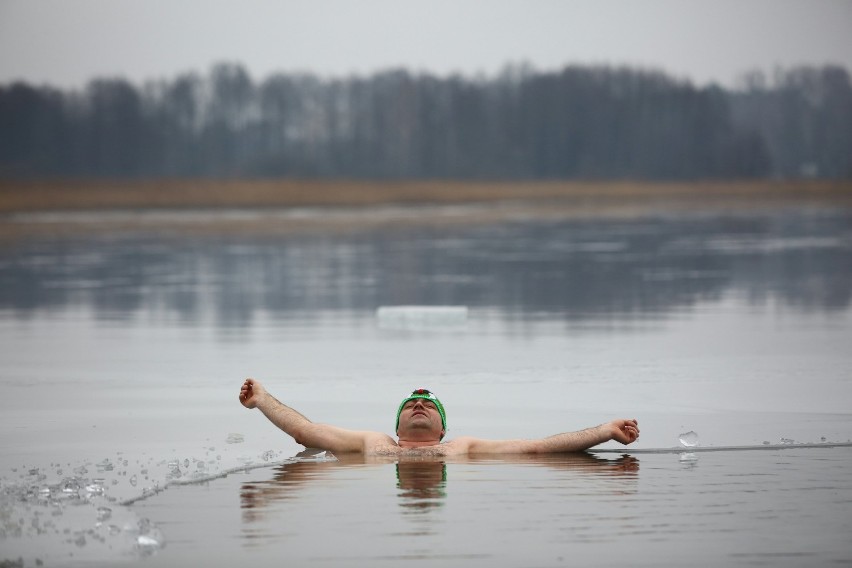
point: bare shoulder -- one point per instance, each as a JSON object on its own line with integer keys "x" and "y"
{"x": 378, "y": 444}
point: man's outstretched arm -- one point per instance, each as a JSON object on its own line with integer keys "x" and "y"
{"x": 309, "y": 434}
{"x": 624, "y": 431}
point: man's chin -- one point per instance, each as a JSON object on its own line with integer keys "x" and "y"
{"x": 423, "y": 427}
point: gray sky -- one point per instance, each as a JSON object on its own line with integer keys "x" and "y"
{"x": 65, "y": 43}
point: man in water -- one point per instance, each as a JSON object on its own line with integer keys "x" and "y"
{"x": 420, "y": 426}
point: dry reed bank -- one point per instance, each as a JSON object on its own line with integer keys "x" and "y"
{"x": 66, "y": 208}
{"x": 82, "y": 195}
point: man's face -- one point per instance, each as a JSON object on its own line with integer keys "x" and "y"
{"x": 420, "y": 416}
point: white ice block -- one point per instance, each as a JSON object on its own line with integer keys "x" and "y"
{"x": 421, "y": 317}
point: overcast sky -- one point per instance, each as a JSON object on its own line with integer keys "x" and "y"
{"x": 65, "y": 43}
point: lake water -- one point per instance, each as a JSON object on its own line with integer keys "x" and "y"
{"x": 123, "y": 353}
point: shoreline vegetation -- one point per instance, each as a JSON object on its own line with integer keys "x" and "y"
{"x": 38, "y": 207}
{"x": 577, "y": 122}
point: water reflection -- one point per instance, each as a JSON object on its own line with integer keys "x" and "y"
{"x": 422, "y": 483}
{"x": 570, "y": 269}
{"x": 425, "y": 483}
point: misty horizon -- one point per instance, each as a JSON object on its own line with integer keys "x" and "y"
{"x": 67, "y": 44}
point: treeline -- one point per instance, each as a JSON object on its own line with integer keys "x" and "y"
{"x": 581, "y": 122}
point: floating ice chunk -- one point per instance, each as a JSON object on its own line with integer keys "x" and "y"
{"x": 234, "y": 438}
{"x": 147, "y": 544}
{"x": 96, "y": 487}
{"x": 311, "y": 452}
{"x": 174, "y": 470}
{"x": 688, "y": 439}
{"x": 421, "y": 317}
{"x": 147, "y": 541}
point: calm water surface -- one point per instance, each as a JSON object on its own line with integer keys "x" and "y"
{"x": 656, "y": 510}
{"x": 122, "y": 355}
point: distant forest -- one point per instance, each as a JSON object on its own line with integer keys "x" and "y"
{"x": 577, "y": 123}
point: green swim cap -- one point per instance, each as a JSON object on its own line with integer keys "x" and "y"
{"x": 423, "y": 393}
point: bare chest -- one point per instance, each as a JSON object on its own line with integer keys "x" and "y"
{"x": 424, "y": 451}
